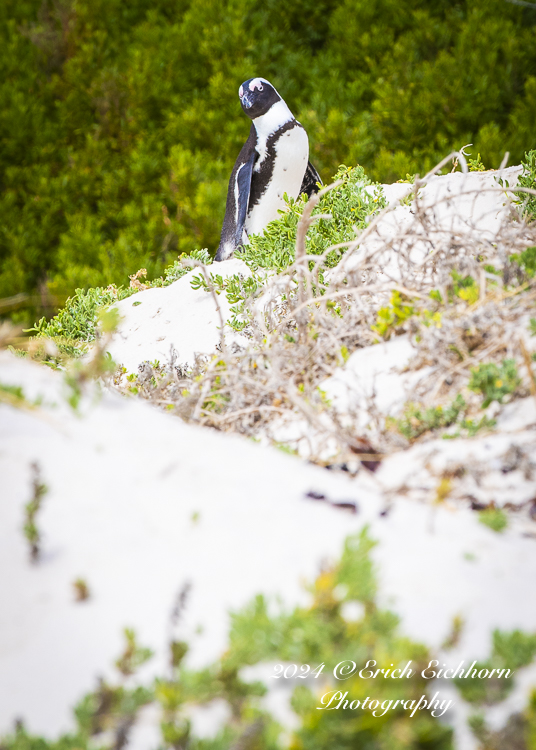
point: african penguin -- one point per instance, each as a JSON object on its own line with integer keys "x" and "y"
{"x": 274, "y": 160}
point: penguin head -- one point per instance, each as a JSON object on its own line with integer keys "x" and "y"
{"x": 257, "y": 96}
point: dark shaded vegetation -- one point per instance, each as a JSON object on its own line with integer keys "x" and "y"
{"x": 120, "y": 122}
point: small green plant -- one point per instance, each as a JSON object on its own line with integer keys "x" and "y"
{"x": 182, "y": 266}
{"x": 510, "y": 651}
{"x": 77, "y": 321}
{"x": 81, "y": 590}
{"x": 237, "y": 290}
{"x": 432, "y": 318}
{"x": 495, "y": 518}
{"x": 464, "y": 287}
{"x": 452, "y": 640}
{"x": 493, "y": 381}
{"x": 133, "y": 656}
{"x": 285, "y": 448}
{"x": 472, "y": 426}
{"x": 417, "y": 420}
{"x": 516, "y": 648}
{"x": 528, "y": 180}
{"x": 391, "y": 318}
{"x": 178, "y": 650}
{"x": 407, "y": 201}
{"x": 475, "y": 165}
{"x": 31, "y": 510}
{"x": 526, "y": 261}
{"x": 218, "y": 284}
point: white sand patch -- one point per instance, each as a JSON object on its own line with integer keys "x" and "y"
{"x": 175, "y": 318}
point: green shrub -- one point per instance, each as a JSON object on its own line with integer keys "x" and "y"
{"x": 349, "y": 206}
{"x": 77, "y": 320}
{"x": 472, "y": 426}
{"x": 475, "y": 165}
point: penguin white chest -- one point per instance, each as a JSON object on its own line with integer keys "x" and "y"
{"x": 289, "y": 165}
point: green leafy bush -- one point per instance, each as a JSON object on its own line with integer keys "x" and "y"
{"x": 77, "y": 320}
{"x": 472, "y": 426}
{"x": 349, "y": 205}
{"x": 476, "y": 165}
{"x": 418, "y": 420}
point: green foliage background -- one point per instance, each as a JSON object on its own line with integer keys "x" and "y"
{"x": 120, "y": 121}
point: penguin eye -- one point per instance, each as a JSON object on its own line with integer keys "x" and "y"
{"x": 261, "y": 88}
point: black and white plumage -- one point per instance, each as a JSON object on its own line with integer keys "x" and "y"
{"x": 274, "y": 160}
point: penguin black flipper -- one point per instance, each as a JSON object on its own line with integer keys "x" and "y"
{"x": 236, "y": 207}
{"x": 310, "y": 178}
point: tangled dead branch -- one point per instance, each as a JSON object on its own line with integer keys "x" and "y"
{"x": 444, "y": 269}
